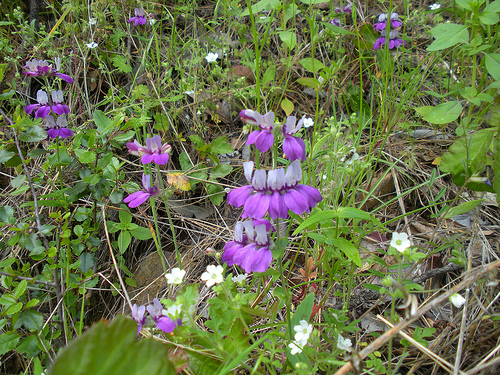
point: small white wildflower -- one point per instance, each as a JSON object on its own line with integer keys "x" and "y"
{"x": 321, "y": 80}
{"x": 211, "y": 57}
{"x": 189, "y": 92}
{"x": 296, "y": 346}
{"x": 308, "y": 122}
{"x": 92, "y": 45}
{"x": 435, "y": 6}
{"x": 174, "y": 311}
{"x": 92, "y": 21}
{"x": 176, "y": 276}
{"x": 240, "y": 279}
{"x": 213, "y": 275}
{"x": 263, "y": 17}
{"x": 152, "y": 21}
{"x": 302, "y": 331}
{"x": 351, "y": 157}
{"x": 457, "y": 300}
{"x": 227, "y": 190}
{"x": 400, "y": 241}
{"x": 344, "y": 344}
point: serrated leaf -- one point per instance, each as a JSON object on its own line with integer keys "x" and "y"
{"x": 120, "y": 62}
{"x": 34, "y": 133}
{"x": 444, "y": 113}
{"x": 8, "y": 342}
{"x": 31, "y": 319}
{"x": 113, "y": 350}
{"x": 14, "y": 308}
{"x": 20, "y": 288}
{"x": 86, "y": 262}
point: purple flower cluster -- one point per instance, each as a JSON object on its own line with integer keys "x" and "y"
{"x": 274, "y": 194}
{"x": 153, "y": 152}
{"x": 158, "y": 314}
{"x": 346, "y": 9}
{"x": 263, "y": 138}
{"x": 140, "y": 17}
{"x": 392, "y": 32}
{"x": 250, "y": 248}
{"x": 42, "y": 109}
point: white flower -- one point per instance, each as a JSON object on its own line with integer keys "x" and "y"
{"x": 351, "y": 156}
{"x": 176, "y": 276}
{"x": 240, "y": 279}
{"x": 400, "y": 241}
{"x": 457, "y": 300}
{"x": 92, "y": 21}
{"x": 189, "y": 92}
{"x": 344, "y": 344}
{"x": 308, "y": 122}
{"x": 435, "y": 6}
{"x": 174, "y": 311}
{"x": 296, "y": 346}
{"x": 151, "y": 21}
{"x": 213, "y": 275}
{"x": 227, "y": 190}
{"x": 92, "y": 45}
{"x": 303, "y": 330}
{"x": 211, "y": 57}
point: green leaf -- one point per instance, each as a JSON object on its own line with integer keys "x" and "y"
{"x": 463, "y": 208}
{"x": 303, "y": 312}
{"x": 124, "y": 215}
{"x": 34, "y": 133}
{"x": 29, "y": 346}
{"x": 444, "y": 113}
{"x": 311, "y": 64}
{"x": 120, "y": 62}
{"x": 289, "y": 39}
{"x": 8, "y": 341}
{"x": 492, "y": 62}
{"x": 287, "y": 106}
{"x": 269, "y": 75}
{"x": 338, "y": 30}
{"x": 447, "y": 35}
{"x": 86, "y": 262}
{"x": 141, "y": 233}
{"x": 221, "y": 146}
{"x": 216, "y": 193}
{"x": 123, "y": 241}
{"x": 309, "y": 82}
{"x": 18, "y": 181}
{"x": 348, "y": 249}
{"x": 113, "y": 350}
{"x": 220, "y": 171}
{"x": 488, "y": 18}
{"x": 14, "y": 308}
{"x": 7, "y": 215}
{"x": 20, "y": 288}
{"x": 85, "y": 156}
{"x": 260, "y": 6}
{"x": 6, "y": 155}
{"x": 31, "y": 319}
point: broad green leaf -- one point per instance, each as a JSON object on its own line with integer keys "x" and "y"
{"x": 34, "y": 133}
{"x": 14, "y": 308}
{"x": 221, "y": 170}
{"x": 31, "y": 319}
{"x": 312, "y": 2}
{"x": 124, "y": 215}
{"x": 8, "y": 342}
{"x": 216, "y": 193}
{"x": 444, "y": 113}
{"x": 492, "y": 62}
{"x": 112, "y": 349}
{"x": 123, "y": 240}
{"x": 311, "y": 64}
{"x": 348, "y": 249}
{"x": 447, "y": 35}
{"x": 288, "y": 38}
{"x": 260, "y": 6}
{"x": 309, "y": 82}
{"x": 221, "y": 145}
{"x": 85, "y": 156}
{"x": 141, "y": 233}
{"x": 18, "y": 181}
{"x": 493, "y": 7}
{"x": 6, "y": 155}
{"x": 488, "y": 18}
{"x": 287, "y": 106}
{"x": 120, "y": 62}
{"x": 86, "y": 262}
{"x": 29, "y": 345}
{"x": 269, "y": 75}
{"x": 463, "y": 208}
{"x": 7, "y": 215}
{"x": 20, "y": 288}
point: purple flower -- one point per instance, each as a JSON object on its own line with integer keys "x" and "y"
{"x": 138, "y": 316}
{"x": 59, "y": 129}
{"x": 263, "y": 138}
{"x": 294, "y": 147}
{"x": 346, "y": 9}
{"x": 335, "y": 22}
{"x": 275, "y": 195}
{"x": 57, "y": 100}
{"x": 160, "y": 317}
{"x": 154, "y": 150}
{"x": 382, "y": 22}
{"x": 141, "y": 196}
{"x": 42, "y": 107}
{"x": 250, "y": 248}
{"x": 40, "y": 68}
{"x": 140, "y": 17}
{"x": 394, "y": 41}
